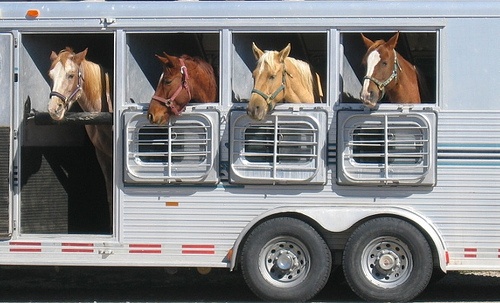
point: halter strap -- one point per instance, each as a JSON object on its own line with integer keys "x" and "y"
{"x": 169, "y": 102}
{"x": 381, "y": 85}
{"x": 72, "y": 96}
{"x": 270, "y": 98}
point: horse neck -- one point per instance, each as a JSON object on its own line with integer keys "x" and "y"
{"x": 92, "y": 87}
{"x": 201, "y": 84}
{"x": 406, "y": 87}
{"x": 299, "y": 82}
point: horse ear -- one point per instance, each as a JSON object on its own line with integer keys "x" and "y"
{"x": 285, "y": 52}
{"x": 393, "y": 41}
{"x": 368, "y": 42}
{"x": 166, "y": 59}
{"x": 53, "y": 56}
{"x": 257, "y": 52}
{"x": 78, "y": 58}
{"x": 163, "y": 60}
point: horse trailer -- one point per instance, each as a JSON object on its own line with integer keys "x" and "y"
{"x": 391, "y": 194}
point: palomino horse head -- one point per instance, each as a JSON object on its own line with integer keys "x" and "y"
{"x": 278, "y": 78}
{"x": 387, "y": 72}
{"x": 183, "y": 79}
{"x": 67, "y": 79}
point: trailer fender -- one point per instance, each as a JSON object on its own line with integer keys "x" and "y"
{"x": 338, "y": 219}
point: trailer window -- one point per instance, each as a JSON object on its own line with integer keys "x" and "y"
{"x": 419, "y": 48}
{"x": 310, "y": 48}
{"x": 144, "y": 69}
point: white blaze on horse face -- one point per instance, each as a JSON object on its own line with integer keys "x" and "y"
{"x": 65, "y": 80}
{"x": 371, "y": 61}
{"x": 56, "y": 106}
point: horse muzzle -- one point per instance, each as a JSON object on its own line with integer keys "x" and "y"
{"x": 370, "y": 95}
{"x": 257, "y": 109}
{"x": 57, "y": 108}
{"x": 369, "y": 101}
{"x": 157, "y": 114}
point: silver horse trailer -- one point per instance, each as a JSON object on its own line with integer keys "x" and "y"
{"x": 391, "y": 194}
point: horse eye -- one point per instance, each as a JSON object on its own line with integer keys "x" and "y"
{"x": 167, "y": 81}
{"x": 384, "y": 63}
{"x": 71, "y": 76}
{"x": 272, "y": 77}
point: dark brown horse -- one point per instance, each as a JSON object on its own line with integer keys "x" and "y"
{"x": 387, "y": 72}
{"x": 183, "y": 79}
{"x": 76, "y": 79}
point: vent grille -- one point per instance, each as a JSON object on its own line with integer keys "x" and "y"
{"x": 281, "y": 149}
{"x": 387, "y": 148}
{"x": 182, "y": 151}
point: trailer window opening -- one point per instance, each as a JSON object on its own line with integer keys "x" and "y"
{"x": 419, "y": 48}
{"x": 309, "y": 47}
{"x": 146, "y": 68}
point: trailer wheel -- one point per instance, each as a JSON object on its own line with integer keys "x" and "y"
{"x": 387, "y": 259}
{"x": 285, "y": 259}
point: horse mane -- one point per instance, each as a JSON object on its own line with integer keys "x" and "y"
{"x": 93, "y": 80}
{"x": 205, "y": 68}
{"x": 303, "y": 67}
{"x": 202, "y": 64}
{"x": 423, "y": 87}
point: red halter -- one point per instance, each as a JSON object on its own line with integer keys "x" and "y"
{"x": 184, "y": 85}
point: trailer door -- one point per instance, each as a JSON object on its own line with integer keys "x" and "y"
{"x": 6, "y": 85}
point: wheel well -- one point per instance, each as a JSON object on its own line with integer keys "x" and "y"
{"x": 337, "y": 240}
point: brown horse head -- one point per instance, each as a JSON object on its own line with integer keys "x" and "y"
{"x": 278, "y": 78}
{"x": 67, "y": 81}
{"x": 183, "y": 79}
{"x": 387, "y": 72}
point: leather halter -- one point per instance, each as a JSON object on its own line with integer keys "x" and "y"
{"x": 394, "y": 76}
{"x": 270, "y": 98}
{"x": 169, "y": 102}
{"x": 72, "y": 97}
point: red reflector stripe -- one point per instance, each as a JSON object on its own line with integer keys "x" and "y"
{"x": 18, "y": 247}
{"x": 78, "y": 247}
{"x": 145, "y": 248}
{"x": 470, "y": 252}
{"x": 198, "y": 249}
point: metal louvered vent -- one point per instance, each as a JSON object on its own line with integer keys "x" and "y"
{"x": 181, "y": 151}
{"x": 386, "y": 148}
{"x": 281, "y": 149}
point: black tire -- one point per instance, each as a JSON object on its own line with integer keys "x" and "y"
{"x": 285, "y": 259}
{"x": 387, "y": 259}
